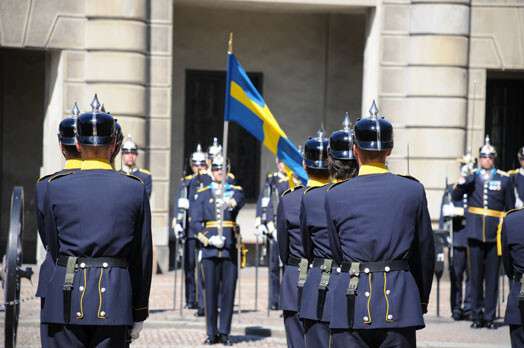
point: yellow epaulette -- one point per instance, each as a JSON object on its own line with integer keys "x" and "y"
{"x": 187, "y": 177}
{"x": 46, "y": 176}
{"x": 132, "y": 176}
{"x": 270, "y": 175}
{"x": 499, "y": 230}
{"x": 335, "y": 184}
{"x": 313, "y": 187}
{"x": 513, "y": 171}
{"x": 203, "y": 189}
{"x": 291, "y": 190}
{"x": 236, "y": 187}
{"x": 283, "y": 179}
{"x": 202, "y": 172}
{"x": 59, "y": 176}
{"x": 407, "y": 176}
{"x": 145, "y": 171}
{"x": 503, "y": 173}
{"x": 230, "y": 175}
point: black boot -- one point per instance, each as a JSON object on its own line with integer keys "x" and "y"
{"x": 225, "y": 340}
{"x": 213, "y": 339}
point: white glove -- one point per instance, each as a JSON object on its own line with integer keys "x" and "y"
{"x": 264, "y": 202}
{"x": 135, "y": 330}
{"x": 448, "y": 210}
{"x": 179, "y": 230}
{"x": 183, "y": 203}
{"x": 262, "y": 230}
{"x": 464, "y": 171}
{"x": 173, "y": 223}
{"x": 217, "y": 241}
{"x": 518, "y": 203}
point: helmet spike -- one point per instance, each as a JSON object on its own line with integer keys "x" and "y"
{"x": 373, "y": 110}
{"x": 95, "y": 104}
{"x": 486, "y": 140}
{"x": 347, "y": 123}
{"x": 199, "y": 148}
{"x": 76, "y": 110}
{"x": 103, "y": 109}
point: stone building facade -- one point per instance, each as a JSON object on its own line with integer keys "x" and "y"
{"x": 428, "y": 63}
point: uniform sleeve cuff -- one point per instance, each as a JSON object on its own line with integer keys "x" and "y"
{"x": 258, "y": 221}
{"x": 140, "y": 314}
{"x": 424, "y": 308}
{"x": 203, "y": 239}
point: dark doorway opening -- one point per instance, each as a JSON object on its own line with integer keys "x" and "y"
{"x": 204, "y": 119}
{"x": 22, "y": 105}
{"x": 505, "y": 119}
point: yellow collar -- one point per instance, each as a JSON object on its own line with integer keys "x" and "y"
{"x": 75, "y": 163}
{"x": 96, "y": 163}
{"x": 313, "y": 182}
{"x": 337, "y": 181}
{"x": 373, "y": 168}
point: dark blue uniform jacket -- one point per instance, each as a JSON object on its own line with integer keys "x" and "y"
{"x": 487, "y": 202}
{"x": 274, "y": 181}
{"x": 47, "y": 267}
{"x": 517, "y": 178}
{"x": 513, "y": 259}
{"x": 199, "y": 181}
{"x": 205, "y": 213}
{"x": 145, "y": 176}
{"x": 460, "y": 238}
{"x": 379, "y": 216}
{"x": 92, "y": 213}
{"x": 315, "y": 241}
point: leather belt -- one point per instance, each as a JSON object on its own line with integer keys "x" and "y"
{"x": 486, "y": 212}
{"x": 319, "y": 262}
{"x": 379, "y": 266}
{"x": 95, "y": 262}
{"x": 293, "y": 260}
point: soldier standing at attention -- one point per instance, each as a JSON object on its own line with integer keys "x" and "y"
{"x": 129, "y": 155}
{"x": 517, "y": 178}
{"x": 198, "y": 163}
{"x": 98, "y": 232}
{"x": 316, "y": 302}
{"x": 513, "y": 260}
{"x": 220, "y": 236}
{"x": 290, "y": 240}
{"x": 276, "y": 184}
{"x": 381, "y": 235}
{"x": 490, "y": 193}
{"x": 66, "y": 141}
{"x": 452, "y": 211}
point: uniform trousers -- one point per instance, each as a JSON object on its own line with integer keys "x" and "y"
{"x": 43, "y": 326}
{"x": 374, "y": 338}
{"x": 317, "y": 333}
{"x": 87, "y": 336}
{"x": 274, "y": 269}
{"x": 215, "y": 271}
{"x": 189, "y": 269}
{"x": 457, "y": 270}
{"x": 294, "y": 330}
{"x": 484, "y": 265}
{"x": 516, "y": 334}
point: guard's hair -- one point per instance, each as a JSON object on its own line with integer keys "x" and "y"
{"x": 317, "y": 173}
{"x": 367, "y": 156}
{"x": 342, "y": 169}
{"x": 72, "y": 152}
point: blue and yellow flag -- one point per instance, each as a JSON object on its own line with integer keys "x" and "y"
{"x": 246, "y": 107}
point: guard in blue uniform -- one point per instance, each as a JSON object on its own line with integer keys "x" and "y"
{"x": 129, "y": 155}
{"x": 289, "y": 239}
{"x": 215, "y": 212}
{"x": 317, "y": 299}
{"x": 66, "y": 141}
{"x": 98, "y": 232}
{"x": 490, "y": 194}
{"x": 513, "y": 260}
{"x": 381, "y": 236}
{"x": 181, "y": 226}
{"x": 275, "y": 185}
{"x": 202, "y": 179}
{"x": 517, "y": 178}
{"x": 452, "y": 211}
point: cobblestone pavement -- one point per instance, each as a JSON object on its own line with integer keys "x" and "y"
{"x": 166, "y": 328}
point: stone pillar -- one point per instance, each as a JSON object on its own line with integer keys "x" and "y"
{"x": 423, "y": 88}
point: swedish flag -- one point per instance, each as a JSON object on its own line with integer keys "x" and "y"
{"x": 246, "y": 107}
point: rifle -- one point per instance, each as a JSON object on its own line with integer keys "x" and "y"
{"x": 179, "y": 243}
{"x": 267, "y": 245}
{"x": 447, "y": 200}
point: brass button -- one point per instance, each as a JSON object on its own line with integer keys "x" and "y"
{"x": 105, "y": 265}
{"x": 81, "y": 288}
{"x": 366, "y": 293}
{"x": 78, "y": 314}
{"x": 103, "y": 290}
{"x": 390, "y": 317}
{"x": 339, "y": 270}
{"x": 366, "y": 270}
{"x": 388, "y": 292}
{"x": 366, "y": 319}
{"x": 102, "y": 314}
{"x": 387, "y": 269}
{"x": 82, "y": 265}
